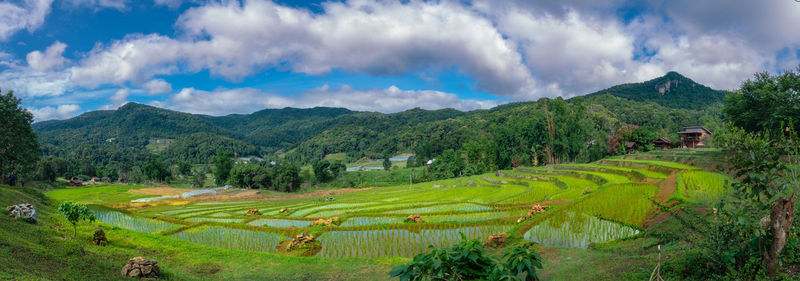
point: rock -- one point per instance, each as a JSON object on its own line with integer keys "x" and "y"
{"x": 414, "y": 219}
{"x": 326, "y": 222}
{"x": 284, "y": 210}
{"x": 100, "y": 238}
{"x": 495, "y": 240}
{"x": 22, "y": 211}
{"x": 140, "y": 267}
{"x": 253, "y": 212}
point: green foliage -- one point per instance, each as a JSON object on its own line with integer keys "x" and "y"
{"x": 250, "y": 176}
{"x": 202, "y": 147}
{"x": 287, "y": 176}
{"x": 156, "y": 170}
{"x": 185, "y": 168}
{"x": 74, "y": 213}
{"x": 766, "y": 103}
{"x": 468, "y": 261}
{"x": 671, "y": 90}
{"x": 387, "y": 164}
{"x": 222, "y": 167}
{"x": 19, "y": 149}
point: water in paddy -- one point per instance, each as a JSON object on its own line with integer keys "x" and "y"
{"x": 122, "y": 220}
{"x": 572, "y": 230}
{"x": 235, "y": 239}
{"x": 280, "y": 223}
{"x": 397, "y": 242}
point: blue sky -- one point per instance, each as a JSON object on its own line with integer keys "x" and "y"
{"x": 221, "y": 57}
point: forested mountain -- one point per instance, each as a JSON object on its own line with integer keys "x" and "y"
{"x": 671, "y": 90}
{"x": 547, "y": 130}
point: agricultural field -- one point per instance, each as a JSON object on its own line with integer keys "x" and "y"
{"x": 587, "y": 205}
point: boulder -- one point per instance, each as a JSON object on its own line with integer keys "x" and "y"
{"x": 140, "y": 267}
{"x": 326, "y": 222}
{"x": 253, "y": 212}
{"x": 100, "y": 238}
{"x": 495, "y": 240}
{"x": 284, "y": 210}
{"x": 22, "y": 211}
{"x": 414, "y": 219}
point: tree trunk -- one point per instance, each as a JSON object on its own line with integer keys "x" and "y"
{"x": 781, "y": 219}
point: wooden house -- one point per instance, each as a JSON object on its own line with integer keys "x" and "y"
{"x": 663, "y": 143}
{"x": 694, "y": 136}
{"x": 631, "y": 147}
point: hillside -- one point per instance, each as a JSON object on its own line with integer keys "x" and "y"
{"x": 664, "y": 104}
{"x": 672, "y": 90}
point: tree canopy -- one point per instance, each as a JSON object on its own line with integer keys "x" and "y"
{"x": 20, "y": 149}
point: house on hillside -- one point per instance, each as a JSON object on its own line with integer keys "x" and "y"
{"x": 663, "y": 143}
{"x": 75, "y": 181}
{"x": 631, "y": 147}
{"x": 694, "y": 136}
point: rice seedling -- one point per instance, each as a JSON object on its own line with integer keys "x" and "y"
{"x": 397, "y": 242}
{"x": 576, "y": 230}
{"x": 221, "y": 220}
{"x": 122, "y": 220}
{"x": 280, "y": 223}
{"x": 702, "y": 186}
{"x": 462, "y": 207}
{"x": 667, "y": 164}
{"x": 235, "y": 239}
{"x": 362, "y": 221}
{"x": 628, "y": 203}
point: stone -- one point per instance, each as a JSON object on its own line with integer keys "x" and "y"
{"x": 22, "y": 211}
{"x": 284, "y": 210}
{"x": 100, "y": 238}
{"x": 253, "y": 212}
{"x": 326, "y": 222}
{"x": 140, "y": 267}
{"x": 414, "y": 219}
{"x": 495, "y": 240}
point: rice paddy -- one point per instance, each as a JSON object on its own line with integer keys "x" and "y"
{"x": 591, "y": 203}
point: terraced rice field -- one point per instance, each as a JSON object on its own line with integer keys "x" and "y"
{"x": 588, "y": 203}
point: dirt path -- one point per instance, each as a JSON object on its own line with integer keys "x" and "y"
{"x": 667, "y": 188}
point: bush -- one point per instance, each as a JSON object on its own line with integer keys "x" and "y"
{"x": 468, "y": 261}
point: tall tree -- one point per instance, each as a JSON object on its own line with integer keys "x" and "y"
{"x": 20, "y": 150}
{"x": 222, "y": 167}
{"x": 765, "y": 102}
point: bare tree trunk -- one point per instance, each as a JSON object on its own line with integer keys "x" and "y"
{"x": 781, "y": 219}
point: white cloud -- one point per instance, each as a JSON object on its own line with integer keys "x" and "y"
{"x": 247, "y": 100}
{"x": 172, "y": 4}
{"x": 51, "y": 58}
{"x": 100, "y": 4}
{"x": 378, "y": 38}
{"x": 29, "y": 15}
{"x": 34, "y": 84}
{"x": 60, "y": 112}
{"x": 157, "y": 86}
{"x": 120, "y": 96}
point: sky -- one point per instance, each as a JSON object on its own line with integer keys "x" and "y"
{"x": 63, "y": 58}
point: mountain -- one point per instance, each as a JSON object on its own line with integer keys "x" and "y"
{"x": 671, "y": 90}
{"x": 136, "y": 132}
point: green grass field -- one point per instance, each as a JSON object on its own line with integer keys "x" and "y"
{"x": 591, "y": 209}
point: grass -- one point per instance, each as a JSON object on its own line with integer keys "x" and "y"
{"x": 701, "y": 185}
{"x": 103, "y": 194}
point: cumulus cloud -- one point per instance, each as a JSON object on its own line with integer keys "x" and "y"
{"x": 157, "y": 86}
{"x": 172, "y": 4}
{"x": 60, "y": 112}
{"x": 247, "y": 100}
{"x": 236, "y": 40}
{"x": 28, "y": 15}
{"x": 51, "y": 58}
{"x": 34, "y": 84}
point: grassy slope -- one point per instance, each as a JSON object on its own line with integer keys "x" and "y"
{"x": 46, "y": 251}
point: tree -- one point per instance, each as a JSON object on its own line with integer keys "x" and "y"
{"x": 20, "y": 149}
{"x": 250, "y": 176}
{"x": 74, "y": 213}
{"x": 185, "y": 168}
{"x": 321, "y": 170}
{"x": 287, "y": 176}
{"x": 765, "y": 102}
{"x": 156, "y": 170}
{"x": 136, "y": 175}
{"x": 199, "y": 179}
{"x": 222, "y": 167}
{"x": 88, "y": 169}
{"x": 387, "y": 164}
